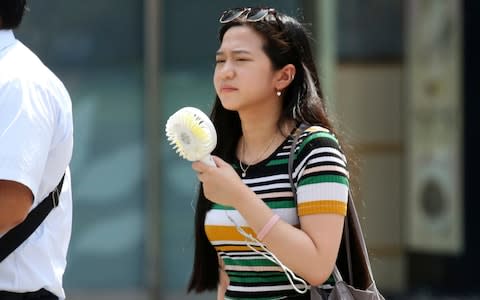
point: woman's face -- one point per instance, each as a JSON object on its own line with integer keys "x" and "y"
{"x": 244, "y": 77}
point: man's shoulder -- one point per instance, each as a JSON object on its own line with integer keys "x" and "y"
{"x": 26, "y": 70}
{"x": 23, "y": 64}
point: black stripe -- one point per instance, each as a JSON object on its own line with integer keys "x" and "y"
{"x": 276, "y": 190}
{"x": 291, "y": 294}
{"x": 250, "y": 274}
{"x": 271, "y": 200}
{"x": 336, "y": 173}
{"x": 274, "y": 181}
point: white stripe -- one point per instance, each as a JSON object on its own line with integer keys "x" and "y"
{"x": 218, "y": 217}
{"x": 322, "y": 191}
{"x": 232, "y": 243}
{"x": 228, "y": 254}
{"x": 270, "y": 186}
{"x": 327, "y": 158}
{"x": 319, "y": 169}
{"x": 266, "y": 178}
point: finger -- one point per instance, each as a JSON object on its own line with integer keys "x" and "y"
{"x": 218, "y": 161}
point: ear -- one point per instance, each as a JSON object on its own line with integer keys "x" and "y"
{"x": 284, "y": 77}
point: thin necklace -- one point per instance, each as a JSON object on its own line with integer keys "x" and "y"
{"x": 244, "y": 169}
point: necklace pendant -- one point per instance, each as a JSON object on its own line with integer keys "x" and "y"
{"x": 243, "y": 174}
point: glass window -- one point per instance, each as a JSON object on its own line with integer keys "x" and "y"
{"x": 370, "y": 30}
{"x": 95, "y": 47}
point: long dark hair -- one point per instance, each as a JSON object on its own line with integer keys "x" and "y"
{"x": 11, "y": 13}
{"x": 286, "y": 41}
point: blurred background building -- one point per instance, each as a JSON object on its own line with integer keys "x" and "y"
{"x": 400, "y": 83}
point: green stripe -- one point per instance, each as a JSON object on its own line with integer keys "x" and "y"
{"x": 253, "y": 273}
{"x": 330, "y": 280}
{"x": 280, "y": 278}
{"x": 324, "y": 178}
{"x": 287, "y": 203}
{"x": 315, "y": 136}
{"x": 249, "y": 262}
{"x": 281, "y": 204}
{"x": 222, "y": 207}
{"x": 275, "y": 162}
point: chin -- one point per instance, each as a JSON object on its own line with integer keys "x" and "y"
{"x": 230, "y": 105}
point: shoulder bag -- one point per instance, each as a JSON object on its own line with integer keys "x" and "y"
{"x": 352, "y": 259}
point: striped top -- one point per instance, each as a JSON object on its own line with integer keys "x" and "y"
{"x": 322, "y": 187}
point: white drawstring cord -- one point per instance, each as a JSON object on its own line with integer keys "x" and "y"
{"x": 271, "y": 257}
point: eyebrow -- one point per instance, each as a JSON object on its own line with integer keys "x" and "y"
{"x": 219, "y": 52}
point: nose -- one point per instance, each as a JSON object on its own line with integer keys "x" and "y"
{"x": 226, "y": 70}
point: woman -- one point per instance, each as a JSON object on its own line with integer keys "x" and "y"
{"x": 267, "y": 85}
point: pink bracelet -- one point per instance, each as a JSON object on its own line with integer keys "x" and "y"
{"x": 267, "y": 227}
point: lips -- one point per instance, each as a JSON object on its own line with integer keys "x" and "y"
{"x": 227, "y": 88}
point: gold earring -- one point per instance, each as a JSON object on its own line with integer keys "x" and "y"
{"x": 279, "y": 93}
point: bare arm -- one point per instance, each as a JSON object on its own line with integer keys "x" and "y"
{"x": 315, "y": 245}
{"x": 15, "y": 202}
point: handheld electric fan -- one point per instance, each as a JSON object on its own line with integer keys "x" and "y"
{"x": 192, "y": 134}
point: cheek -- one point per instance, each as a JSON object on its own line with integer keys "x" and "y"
{"x": 261, "y": 79}
{"x": 216, "y": 81}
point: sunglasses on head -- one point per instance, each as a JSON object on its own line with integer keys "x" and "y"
{"x": 251, "y": 14}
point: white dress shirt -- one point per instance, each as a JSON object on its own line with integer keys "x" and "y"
{"x": 36, "y": 142}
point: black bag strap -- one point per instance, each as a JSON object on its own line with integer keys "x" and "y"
{"x": 20, "y": 233}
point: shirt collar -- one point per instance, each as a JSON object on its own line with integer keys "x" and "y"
{"x": 6, "y": 38}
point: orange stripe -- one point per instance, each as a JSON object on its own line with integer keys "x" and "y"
{"x": 223, "y": 233}
{"x": 322, "y": 206}
{"x": 236, "y": 248}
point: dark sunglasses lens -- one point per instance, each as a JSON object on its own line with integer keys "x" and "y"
{"x": 256, "y": 14}
{"x": 230, "y": 15}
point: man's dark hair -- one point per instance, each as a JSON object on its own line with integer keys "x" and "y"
{"x": 11, "y": 13}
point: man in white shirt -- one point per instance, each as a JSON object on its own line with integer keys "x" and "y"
{"x": 36, "y": 142}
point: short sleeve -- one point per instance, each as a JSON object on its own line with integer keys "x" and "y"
{"x": 26, "y": 130}
{"x": 322, "y": 176}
